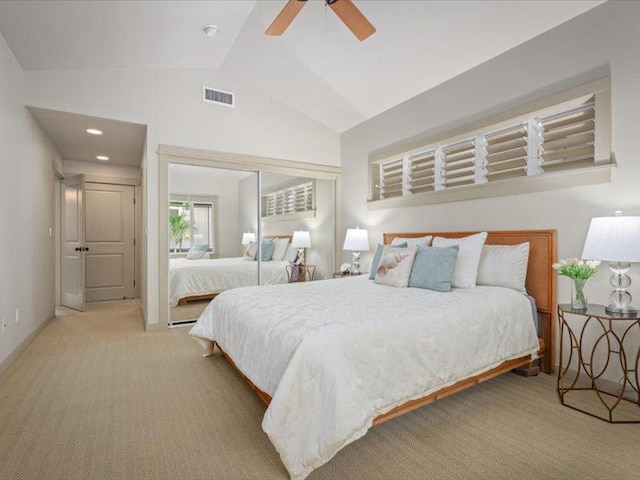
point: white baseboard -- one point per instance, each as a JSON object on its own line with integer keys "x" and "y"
{"x": 15, "y": 353}
{"x": 154, "y": 327}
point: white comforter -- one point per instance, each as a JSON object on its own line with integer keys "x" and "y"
{"x": 188, "y": 278}
{"x": 335, "y": 354}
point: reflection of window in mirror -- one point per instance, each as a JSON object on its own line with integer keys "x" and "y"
{"x": 286, "y": 201}
{"x": 192, "y": 222}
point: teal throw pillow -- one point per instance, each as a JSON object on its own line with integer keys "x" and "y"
{"x": 267, "y": 250}
{"x": 378, "y": 256}
{"x": 433, "y": 268}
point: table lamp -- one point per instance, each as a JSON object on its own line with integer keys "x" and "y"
{"x": 247, "y": 238}
{"x": 357, "y": 241}
{"x": 301, "y": 240}
{"x": 615, "y": 240}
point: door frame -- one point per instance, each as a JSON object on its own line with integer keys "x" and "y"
{"x": 133, "y": 182}
{"x": 207, "y": 158}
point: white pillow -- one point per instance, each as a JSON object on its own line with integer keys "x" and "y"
{"x": 504, "y": 266}
{"x": 470, "y": 249}
{"x": 280, "y": 248}
{"x": 291, "y": 254}
{"x": 196, "y": 252}
{"x": 413, "y": 242}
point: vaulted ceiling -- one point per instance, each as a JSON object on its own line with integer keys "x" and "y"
{"x": 317, "y": 66}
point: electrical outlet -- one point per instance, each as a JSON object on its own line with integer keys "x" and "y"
{"x": 17, "y": 315}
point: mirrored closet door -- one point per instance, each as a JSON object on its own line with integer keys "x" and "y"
{"x": 301, "y": 210}
{"x": 213, "y": 223}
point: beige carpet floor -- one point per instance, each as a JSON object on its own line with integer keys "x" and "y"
{"x": 94, "y": 397}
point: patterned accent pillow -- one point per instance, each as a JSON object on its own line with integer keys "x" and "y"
{"x": 251, "y": 251}
{"x": 378, "y": 255}
{"x": 197, "y": 252}
{"x": 395, "y": 266}
{"x": 433, "y": 268}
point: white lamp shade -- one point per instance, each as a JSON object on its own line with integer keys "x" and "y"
{"x": 356, "y": 240}
{"x": 301, "y": 239}
{"x": 613, "y": 239}
{"x": 248, "y": 237}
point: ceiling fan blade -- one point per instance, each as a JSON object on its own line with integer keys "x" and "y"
{"x": 353, "y": 18}
{"x": 285, "y": 17}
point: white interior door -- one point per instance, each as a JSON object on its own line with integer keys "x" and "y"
{"x": 72, "y": 261}
{"x": 110, "y": 242}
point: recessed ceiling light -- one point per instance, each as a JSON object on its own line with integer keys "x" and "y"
{"x": 102, "y": 157}
{"x": 94, "y": 131}
{"x": 210, "y": 30}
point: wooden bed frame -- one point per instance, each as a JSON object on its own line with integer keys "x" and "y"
{"x": 211, "y": 296}
{"x": 540, "y": 284}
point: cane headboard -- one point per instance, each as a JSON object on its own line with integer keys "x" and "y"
{"x": 541, "y": 278}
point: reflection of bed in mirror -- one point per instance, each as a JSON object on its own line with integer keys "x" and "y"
{"x": 194, "y": 280}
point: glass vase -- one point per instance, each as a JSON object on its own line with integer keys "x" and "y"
{"x": 578, "y": 300}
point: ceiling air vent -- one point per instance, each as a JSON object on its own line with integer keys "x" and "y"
{"x": 219, "y": 97}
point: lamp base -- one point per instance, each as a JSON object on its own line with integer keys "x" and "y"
{"x": 301, "y": 256}
{"x": 621, "y": 310}
{"x": 355, "y": 264}
{"x": 620, "y": 298}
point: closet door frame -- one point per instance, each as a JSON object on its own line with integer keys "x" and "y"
{"x": 206, "y": 158}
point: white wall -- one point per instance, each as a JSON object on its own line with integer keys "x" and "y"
{"x": 73, "y": 167}
{"x": 190, "y": 180}
{"x": 602, "y": 40}
{"x": 168, "y": 102}
{"x": 27, "y": 195}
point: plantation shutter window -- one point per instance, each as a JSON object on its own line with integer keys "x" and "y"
{"x": 391, "y": 178}
{"x": 288, "y": 201}
{"x": 507, "y": 154}
{"x": 568, "y": 139}
{"x": 572, "y": 136}
{"x": 422, "y": 172}
{"x": 459, "y": 164}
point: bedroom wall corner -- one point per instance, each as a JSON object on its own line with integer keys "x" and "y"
{"x": 27, "y": 260}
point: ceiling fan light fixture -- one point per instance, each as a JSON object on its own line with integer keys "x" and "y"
{"x": 346, "y": 11}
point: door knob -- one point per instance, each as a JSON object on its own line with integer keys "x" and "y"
{"x": 78, "y": 249}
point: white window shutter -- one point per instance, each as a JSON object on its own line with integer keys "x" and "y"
{"x": 568, "y": 139}
{"x": 421, "y": 172}
{"x": 391, "y": 178}
{"x": 459, "y": 164}
{"x": 507, "y": 153}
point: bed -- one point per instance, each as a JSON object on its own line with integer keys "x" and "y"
{"x": 192, "y": 280}
{"x": 364, "y": 353}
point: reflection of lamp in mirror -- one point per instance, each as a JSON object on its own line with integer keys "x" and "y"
{"x": 301, "y": 240}
{"x": 615, "y": 240}
{"x": 357, "y": 241}
{"x": 247, "y": 238}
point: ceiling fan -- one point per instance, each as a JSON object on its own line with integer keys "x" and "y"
{"x": 345, "y": 9}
